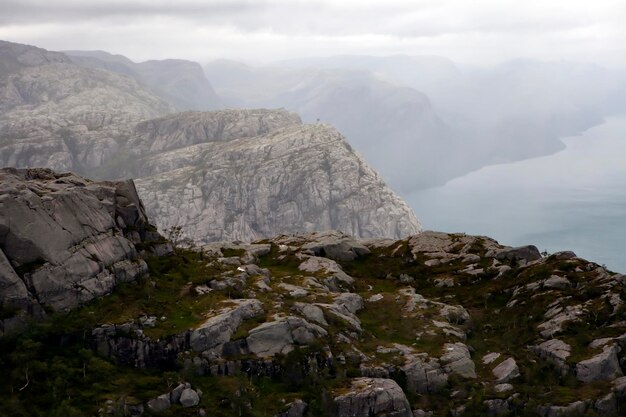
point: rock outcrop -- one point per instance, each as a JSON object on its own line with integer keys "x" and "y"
{"x": 292, "y": 179}
{"x": 372, "y": 397}
{"x": 65, "y": 240}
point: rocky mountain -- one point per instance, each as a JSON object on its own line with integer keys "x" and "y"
{"x": 65, "y": 240}
{"x": 244, "y": 175}
{"x": 416, "y": 118}
{"x": 62, "y": 116}
{"x": 394, "y": 127}
{"x": 305, "y": 324}
{"x": 250, "y": 173}
{"x": 179, "y": 82}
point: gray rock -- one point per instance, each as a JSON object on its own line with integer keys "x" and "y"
{"x": 606, "y": 406}
{"x": 506, "y": 371}
{"x": 352, "y": 302}
{"x": 602, "y": 367}
{"x": 311, "y": 312}
{"x": 66, "y": 235}
{"x": 160, "y": 403}
{"x": 497, "y": 407}
{"x": 554, "y": 351}
{"x": 424, "y": 375}
{"x": 189, "y": 398}
{"x": 523, "y": 254}
{"x": 335, "y": 246}
{"x": 490, "y": 357}
{"x": 372, "y": 397}
{"x": 557, "y": 282}
{"x": 295, "y": 409}
{"x": 456, "y": 359}
{"x": 574, "y": 409}
{"x": 219, "y": 329}
{"x": 175, "y": 393}
{"x": 281, "y": 335}
{"x": 564, "y": 255}
{"x": 291, "y": 179}
{"x": 503, "y": 387}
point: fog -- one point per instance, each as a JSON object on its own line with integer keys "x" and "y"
{"x": 427, "y": 91}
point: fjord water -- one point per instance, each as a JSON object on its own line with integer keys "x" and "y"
{"x": 572, "y": 200}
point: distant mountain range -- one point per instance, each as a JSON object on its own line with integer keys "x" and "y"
{"x": 230, "y": 174}
{"x": 424, "y": 120}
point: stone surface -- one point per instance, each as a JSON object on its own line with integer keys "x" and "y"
{"x": 372, "y": 397}
{"x": 555, "y": 351}
{"x": 69, "y": 238}
{"x": 456, "y": 359}
{"x": 281, "y": 335}
{"x": 160, "y": 403}
{"x": 601, "y": 367}
{"x": 189, "y": 398}
{"x": 506, "y": 371}
{"x": 218, "y": 329}
{"x": 291, "y": 179}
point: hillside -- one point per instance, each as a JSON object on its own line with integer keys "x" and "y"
{"x": 179, "y": 82}
{"x": 321, "y": 324}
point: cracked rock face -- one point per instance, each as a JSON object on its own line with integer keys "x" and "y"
{"x": 65, "y": 240}
{"x": 372, "y": 397}
{"x": 297, "y": 178}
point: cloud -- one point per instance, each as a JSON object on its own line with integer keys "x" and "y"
{"x": 478, "y": 31}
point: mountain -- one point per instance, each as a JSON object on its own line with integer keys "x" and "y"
{"x": 307, "y": 324}
{"x": 179, "y": 82}
{"x": 394, "y": 127}
{"x": 248, "y": 174}
{"x": 269, "y": 173}
{"x": 60, "y": 115}
{"x": 416, "y": 118}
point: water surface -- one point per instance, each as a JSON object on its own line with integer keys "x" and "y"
{"x": 571, "y": 200}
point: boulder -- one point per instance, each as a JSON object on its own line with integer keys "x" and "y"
{"x": 506, "y": 371}
{"x": 457, "y": 360}
{"x": 556, "y": 282}
{"x": 189, "y": 398}
{"x": 297, "y": 408}
{"x": 218, "y": 329}
{"x": 160, "y": 403}
{"x": 335, "y": 245}
{"x": 65, "y": 240}
{"x": 311, "y": 312}
{"x": 372, "y": 397}
{"x": 576, "y": 408}
{"x": 555, "y": 351}
{"x": 280, "y": 336}
{"x": 424, "y": 374}
{"x": 521, "y": 254}
{"x": 602, "y": 367}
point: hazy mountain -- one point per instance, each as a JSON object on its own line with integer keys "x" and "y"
{"x": 251, "y": 173}
{"x": 395, "y": 128}
{"x": 57, "y": 114}
{"x": 179, "y": 82}
{"x": 423, "y": 120}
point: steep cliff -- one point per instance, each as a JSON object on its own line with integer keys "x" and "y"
{"x": 224, "y": 182}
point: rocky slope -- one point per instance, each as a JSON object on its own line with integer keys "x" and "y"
{"x": 65, "y": 241}
{"x": 243, "y": 175}
{"x": 322, "y": 324}
{"x": 176, "y": 81}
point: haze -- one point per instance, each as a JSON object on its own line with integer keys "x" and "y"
{"x": 477, "y": 32}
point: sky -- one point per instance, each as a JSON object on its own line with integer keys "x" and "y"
{"x": 474, "y": 32}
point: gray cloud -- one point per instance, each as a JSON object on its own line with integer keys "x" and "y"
{"x": 477, "y": 31}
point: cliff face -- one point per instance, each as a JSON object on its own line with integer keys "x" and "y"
{"x": 225, "y": 183}
{"x": 65, "y": 240}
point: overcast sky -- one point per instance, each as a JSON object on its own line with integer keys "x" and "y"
{"x": 467, "y": 31}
